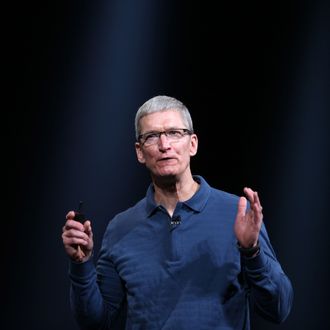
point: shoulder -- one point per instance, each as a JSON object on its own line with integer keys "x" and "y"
{"x": 215, "y": 192}
{"x": 129, "y": 215}
{"x": 223, "y": 197}
{"x": 214, "y": 196}
{"x": 126, "y": 220}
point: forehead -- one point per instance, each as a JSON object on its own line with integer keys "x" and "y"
{"x": 161, "y": 120}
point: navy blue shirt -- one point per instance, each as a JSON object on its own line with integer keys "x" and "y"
{"x": 152, "y": 274}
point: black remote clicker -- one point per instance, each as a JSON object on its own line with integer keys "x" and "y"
{"x": 79, "y": 215}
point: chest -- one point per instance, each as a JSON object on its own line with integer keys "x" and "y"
{"x": 191, "y": 254}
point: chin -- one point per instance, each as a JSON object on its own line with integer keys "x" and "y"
{"x": 165, "y": 175}
{"x": 164, "y": 171}
{"x": 165, "y": 179}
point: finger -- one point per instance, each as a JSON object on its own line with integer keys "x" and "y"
{"x": 76, "y": 233}
{"x": 256, "y": 198}
{"x": 241, "y": 209}
{"x": 73, "y": 224}
{"x": 80, "y": 252}
{"x": 74, "y": 240}
{"x": 72, "y": 235}
{"x": 79, "y": 255}
{"x": 88, "y": 228}
{"x": 249, "y": 194}
{"x": 70, "y": 215}
{"x": 256, "y": 211}
{"x": 256, "y": 206}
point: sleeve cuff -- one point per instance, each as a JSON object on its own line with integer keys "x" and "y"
{"x": 81, "y": 269}
{"x": 257, "y": 262}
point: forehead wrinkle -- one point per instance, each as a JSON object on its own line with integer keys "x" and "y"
{"x": 160, "y": 121}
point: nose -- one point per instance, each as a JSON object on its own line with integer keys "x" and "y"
{"x": 163, "y": 142}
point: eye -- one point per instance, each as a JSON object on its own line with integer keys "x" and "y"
{"x": 174, "y": 133}
{"x": 151, "y": 136}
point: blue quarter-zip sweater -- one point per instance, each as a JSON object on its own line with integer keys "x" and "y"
{"x": 188, "y": 275}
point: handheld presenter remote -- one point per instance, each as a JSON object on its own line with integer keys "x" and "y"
{"x": 79, "y": 215}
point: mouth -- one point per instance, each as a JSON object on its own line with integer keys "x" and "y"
{"x": 166, "y": 160}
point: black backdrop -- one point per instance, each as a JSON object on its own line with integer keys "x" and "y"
{"x": 255, "y": 77}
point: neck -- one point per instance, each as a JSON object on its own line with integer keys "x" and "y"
{"x": 170, "y": 191}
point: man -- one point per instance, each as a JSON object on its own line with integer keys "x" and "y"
{"x": 187, "y": 256}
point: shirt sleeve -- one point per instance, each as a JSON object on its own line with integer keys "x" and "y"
{"x": 270, "y": 288}
{"x": 96, "y": 294}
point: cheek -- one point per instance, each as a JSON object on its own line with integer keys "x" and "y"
{"x": 186, "y": 157}
{"x": 149, "y": 156}
{"x": 183, "y": 155}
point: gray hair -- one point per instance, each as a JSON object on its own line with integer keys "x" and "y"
{"x": 162, "y": 103}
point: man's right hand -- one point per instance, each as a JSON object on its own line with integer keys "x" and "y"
{"x": 77, "y": 238}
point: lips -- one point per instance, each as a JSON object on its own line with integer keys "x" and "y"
{"x": 167, "y": 161}
{"x": 166, "y": 158}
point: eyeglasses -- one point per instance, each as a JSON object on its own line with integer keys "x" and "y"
{"x": 172, "y": 135}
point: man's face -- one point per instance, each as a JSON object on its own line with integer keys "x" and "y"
{"x": 166, "y": 157}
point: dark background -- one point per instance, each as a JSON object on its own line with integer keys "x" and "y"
{"x": 255, "y": 76}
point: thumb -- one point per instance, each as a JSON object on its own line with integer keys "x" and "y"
{"x": 88, "y": 227}
{"x": 241, "y": 209}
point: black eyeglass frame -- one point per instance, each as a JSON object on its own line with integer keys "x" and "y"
{"x": 185, "y": 131}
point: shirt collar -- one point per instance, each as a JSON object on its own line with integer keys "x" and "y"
{"x": 197, "y": 202}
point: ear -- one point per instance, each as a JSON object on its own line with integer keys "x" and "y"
{"x": 193, "y": 144}
{"x": 139, "y": 153}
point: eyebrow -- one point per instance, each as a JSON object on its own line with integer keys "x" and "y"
{"x": 166, "y": 129}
